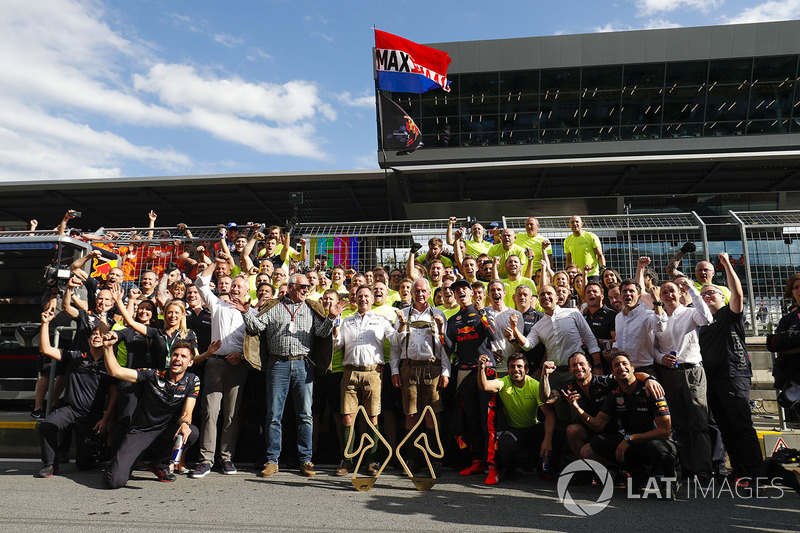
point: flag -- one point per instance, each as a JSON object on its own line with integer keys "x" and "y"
{"x": 398, "y": 130}
{"x": 407, "y": 67}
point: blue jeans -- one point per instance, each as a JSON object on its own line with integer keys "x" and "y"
{"x": 283, "y": 377}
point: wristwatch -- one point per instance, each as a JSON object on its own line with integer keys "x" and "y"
{"x": 658, "y": 304}
{"x": 627, "y": 438}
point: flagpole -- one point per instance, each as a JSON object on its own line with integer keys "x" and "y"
{"x": 380, "y": 121}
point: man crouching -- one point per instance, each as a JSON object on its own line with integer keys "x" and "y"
{"x": 164, "y": 412}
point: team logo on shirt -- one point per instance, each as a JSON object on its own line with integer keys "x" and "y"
{"x": 661, "y": 407}
{"x": 472, "y": 314}
{"x": 467, "y": 333}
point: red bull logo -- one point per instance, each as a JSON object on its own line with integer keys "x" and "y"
{"x": 465, "y": 330}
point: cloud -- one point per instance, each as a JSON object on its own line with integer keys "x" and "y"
{"x": 369, "y": 161}
{"x": 202, "y": 26}
{"x": 181, "y": 87}
{"x": 366, "y": 99}
{"x": 73, "y": 89}
{"x": 768, "y": 11}
{"x": 654, "y": 24}
{"x": 257, "y": 54}
{"x": 651, "y": 7}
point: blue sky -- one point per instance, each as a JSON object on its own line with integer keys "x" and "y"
{"x": 100, "y": 89}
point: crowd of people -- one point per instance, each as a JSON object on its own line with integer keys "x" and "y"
{"x": 648, "y": 376}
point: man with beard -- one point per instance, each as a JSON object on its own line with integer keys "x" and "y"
{"x": 601, "y": 320}
{"x": 643, "y": 444}
{"x": 519, "y": 395}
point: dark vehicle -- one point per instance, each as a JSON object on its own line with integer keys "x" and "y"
{"x": 29, "y": 266}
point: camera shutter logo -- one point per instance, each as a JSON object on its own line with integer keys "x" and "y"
{"x": 585, "y": 508}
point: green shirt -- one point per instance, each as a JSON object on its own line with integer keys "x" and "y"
{"x": 475, "y": 249}
{"x": 498, "y": 251}
{"x": 535, "y": 244}
{"x": 521, "y": 403}
{"x": 511, "y": 287}
{"x": 582, "y": 249}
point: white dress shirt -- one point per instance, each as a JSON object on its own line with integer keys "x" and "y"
{"x": 563, "y": 333}
{"x": 227, "y": 324}
{"x": 635, "y": 333}
{"x": 361, "y": 338}
{"x": 681, "y": 334}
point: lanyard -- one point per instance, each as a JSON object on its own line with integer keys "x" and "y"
{"x": 287, "y": 310}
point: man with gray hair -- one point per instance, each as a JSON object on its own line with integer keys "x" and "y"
{"x": 420, "y": 365}
{"x": 287, "y": 327}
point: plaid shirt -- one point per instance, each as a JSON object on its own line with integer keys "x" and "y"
{"x": 283, "y": 341}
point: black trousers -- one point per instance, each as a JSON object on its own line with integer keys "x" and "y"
{"x": 729, "y": 401}
{"x": 61, "y": 419}
{"x": 155, "y": 445}
{"x": 473, "y": 406}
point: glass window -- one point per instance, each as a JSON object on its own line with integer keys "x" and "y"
{"x": 519, "y": 121}
{"x": 562, "y": 79}
{"x": 478, "y": 84}
{"x": 601, "y": 78}
{"x": 518, "y": 137}
{"x": 680, "y": 130}
{"x": 779, "y": 68}
{"x": 519, "y": 82}
{"x": 760, "y": 127}
{"x": 686, "y": 73}
{"x": 727, "y": 103}
{"x": 641, "y": 132}
{"x": 643, "y": 76}
{"x": 717, "y": 129}
{"x": 684, "y": 104}
{"x": 559, "y": 110}
{"x": 435, "y": 105}
{"x": 730, "y": 71}
{"x": 771, "y": 100}
{"x": 549, "y": 136}
{"x": 600, "y": 108}
{"x": 605, "y": 133}
{"x": 518, "y": 103}
{"x": 641, "y": 106}
{"x": 478, "y": 105}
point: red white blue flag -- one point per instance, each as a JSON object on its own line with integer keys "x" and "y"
{"x": 407, "y": 67}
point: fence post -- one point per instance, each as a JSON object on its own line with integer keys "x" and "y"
{"x": 746, "y": 253}
{"x": 703, "y": 233}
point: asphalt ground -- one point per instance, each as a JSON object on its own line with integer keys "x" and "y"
{"x": 75, "y": 501}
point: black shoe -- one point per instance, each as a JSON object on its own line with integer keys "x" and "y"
{"x": 162, "y": 474}
{"x": 721, "y": 471}
{"x": 37, "y": 414}
{"x": 47, "y": 471}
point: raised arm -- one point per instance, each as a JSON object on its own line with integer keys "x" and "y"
{"x": 449, "y": 237}
{"x": 66, "y": 303}
{"x": 484, "y": 384}
{"x": 247, "y": 263}
{"x": 152, "y": 218}
{"x": 734, "y": 284}
{"x": 44, "y": 336}
{"x": 546, "y": 394}
{"x": 112, "y": 365}
{"x": 641, "y": 265}
{"x": 116, "y": 294}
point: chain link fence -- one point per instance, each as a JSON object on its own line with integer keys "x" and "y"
{"x": 625, "y": 238}
{"x": 771, "y": 252}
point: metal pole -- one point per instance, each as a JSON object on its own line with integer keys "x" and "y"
{"x": 746, "y": 253}
{"x": 703, "y": 233}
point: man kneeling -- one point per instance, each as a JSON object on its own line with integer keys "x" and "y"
{"x": 164, "y": 412}
{"x": 519, "y": 394}
{"x": 643, "y": 444}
